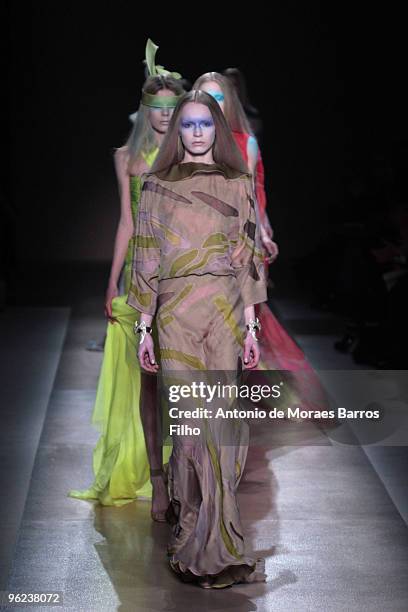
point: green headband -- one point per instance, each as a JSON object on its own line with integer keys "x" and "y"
{"x": 159, "y": 101}
{"x": 154, "y": 100}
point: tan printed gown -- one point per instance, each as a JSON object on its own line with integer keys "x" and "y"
{"x": 197, "y": 264}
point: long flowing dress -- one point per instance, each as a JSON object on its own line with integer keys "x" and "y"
{"x": 197, "y": 264}
{"x": 120, "y": 462}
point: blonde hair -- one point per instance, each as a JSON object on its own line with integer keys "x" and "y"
{"x": 225, "y": 151}
{"x": 233, "y": 110}
{"x": 142, "y": 138}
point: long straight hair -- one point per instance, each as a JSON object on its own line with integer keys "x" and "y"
{"x": 142, "y": 138}
{"x": 233, "y": 110}
{"x": 225, "y": 150}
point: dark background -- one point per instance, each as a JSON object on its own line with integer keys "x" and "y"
{"x": 329, "y": 82}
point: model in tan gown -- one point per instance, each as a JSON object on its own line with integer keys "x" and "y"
{"x": 197, "y": 265}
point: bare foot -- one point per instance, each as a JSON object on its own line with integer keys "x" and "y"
{"x": 160, "y": 498}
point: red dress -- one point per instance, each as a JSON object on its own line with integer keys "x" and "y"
{"x": 278, "y": 350}
{"x": 242, "y": 142}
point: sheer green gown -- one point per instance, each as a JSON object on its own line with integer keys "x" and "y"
{"x": 120, "y": 463}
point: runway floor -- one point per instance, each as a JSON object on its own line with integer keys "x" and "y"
{"x": 327, "y": 517}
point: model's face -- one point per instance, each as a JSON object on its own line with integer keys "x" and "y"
{"x": 197, "y": 129}
{"x": 160, "y": 117}
{"x": 214, "y": 89}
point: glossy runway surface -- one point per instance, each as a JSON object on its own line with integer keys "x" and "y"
{"x": 319, "y": 513}
{"x": 31, "y": 341}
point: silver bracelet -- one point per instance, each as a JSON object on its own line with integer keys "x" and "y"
{"x": 142, "y": 329}
{"x": 253, "y": 326}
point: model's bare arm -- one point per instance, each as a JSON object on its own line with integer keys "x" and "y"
{"x": 124, "y": 230}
